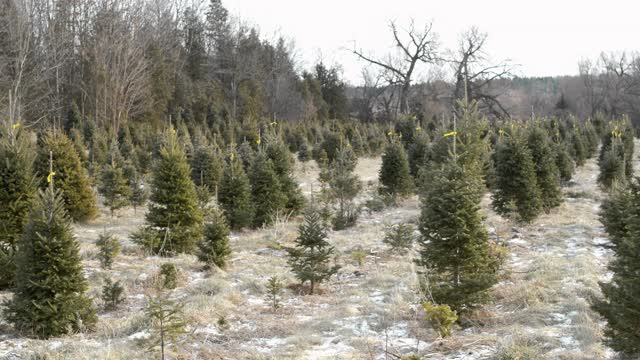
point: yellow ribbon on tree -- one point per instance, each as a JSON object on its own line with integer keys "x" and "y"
{"x": 51, "y": 174}
{"x": 501, "y": 132}
{"x": 418, "y": 128}
{"x": 232, "y": 155}
{"x": 259, "y": 140}
{"x": 16, "y": 125}
{"x": 451, "y": 133}
{"x": 273, "y": 123}
{"x": 390, "y": 133}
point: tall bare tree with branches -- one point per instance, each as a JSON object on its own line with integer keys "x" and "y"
{"x": 416, "y": 46}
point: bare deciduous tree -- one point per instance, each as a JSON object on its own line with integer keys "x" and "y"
{"x": 418, "y": 46}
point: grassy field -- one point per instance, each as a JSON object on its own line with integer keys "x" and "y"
{"x": 371, "y": 309}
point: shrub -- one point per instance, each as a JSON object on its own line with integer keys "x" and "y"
{"x": 441, "y": 318}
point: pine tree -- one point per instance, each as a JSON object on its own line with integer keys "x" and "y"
{"x": 139, "y": 193}
{"x": 114, "y": 187}
{"x": 399, "y": 237}
{"x": 417, "y": 154}
{"x": 612, "y": 167}
{"x": 167, "y": 323}
{"x": 515, "y": 179}
{"x": 268, "y": 199}
{"x": 108, "y": 248}
{"x": 460, "y": 262}
{"x": 17, "y": 190}
{"x": 344, "y": 186}
{"x": 310, "y": 258}
{"x": 564, "y": 162}
{"x": 395, "y": 176}
{"x": 283, "y": 166}
{"x": 206, "y": 167}
{"x": 234, "y": 195}
{"x": 70, "y": 177}
{"x": 174, "y": 221}
{"x": 547, "y": 173}
{"x": 112, "y": 294}
{"x": 214, "y": 247}
{"x": 620, "y": 306}
{"x": 274, "y": 288}
{"x": 49, "y": 298}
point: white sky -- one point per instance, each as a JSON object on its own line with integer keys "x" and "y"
{"x": 546, "y": 37}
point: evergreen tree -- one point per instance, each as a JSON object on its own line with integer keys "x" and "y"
{"x": 266, "y": 190}
{"x": 612, "y": 167}
{"x": 17, "y": 190}
{"x": 206, "y": 167}
{"x": 234, "y": 195}
{"x": 283, "y": 166}
{"x": 310, "y": 258}
{"x": 139, "y": 193}
{"x": 461, "y": 263}
{"x": 174, "y": 221}
{"x": 49, "y": 298}
{"x": 108, "y": 248}
{"x": 112, "y": 294}
{"x": 214, "y": 247}
{"x": 344, "y": 186}
{"x": 547, "y": 173}
{"x": 417, "y": 154}
{"x": 70, "y": 177}
{"x": 114, "y": 187}
{"x": 395, "y": 176}
{"x": 620, "y": 214}
{"x": 580, "y": 150}
{"x": 564, "y": 162}
{"x": 167, "y": 323}
{"x": 515, "y": 187}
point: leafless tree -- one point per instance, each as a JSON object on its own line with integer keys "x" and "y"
{"x": 474, "y": 74}
{"x": 416, "y": 46}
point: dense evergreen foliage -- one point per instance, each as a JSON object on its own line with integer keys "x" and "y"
{"x": 70, "y": 177}
{"x": 17, "y": 190}
{"x": 234, "y": 194}
{"x": 49, "y": 297}
{"x": 395, "y": 174}
{"x": 174, "y": 220}
{"x": 310, "y": 258}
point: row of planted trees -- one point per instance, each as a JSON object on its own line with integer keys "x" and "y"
{"x": 619, "y": 214}
{"x": 449, "y": 165}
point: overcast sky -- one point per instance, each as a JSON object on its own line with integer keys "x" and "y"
{"x": 545, "y": 37}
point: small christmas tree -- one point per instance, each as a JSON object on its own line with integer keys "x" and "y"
{"x": 214, "y": 247}
{"x": 418, "y": 153}
{"x": 112, "y": 294}
{"x": 515, "y": 179}
{"x": 167, "y": 324}
{"x": 114, "y": 187}
{"x": 344, "y": 186}
{"x": 108, "y": 248}
{"x": 547, "y": 173}
{"x": 206, "y": 167}
{"x": 17, "y": 190}
{"x": 460, "y": 262}
{"x": 399, "y": 237}
{"x": 174, "y": 220}
{"x": 283, "y": 166}
{"x": 274, "y": 288}
{"x": 234, "y": 195}
{"x": 564, "y": 162}
{"x": 49, "y": 298}
{"x": 70, "y": 177}
{"x": 266, "y": 191}
{"x": 309, "y": 260}
{"x": 395, "y": 176}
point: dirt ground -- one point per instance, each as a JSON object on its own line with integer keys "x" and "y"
{"x": 371, "y": 309}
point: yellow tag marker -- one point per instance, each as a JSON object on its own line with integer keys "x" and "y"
{"x": 16, "y": 125}
{"x": 501, "y": 132}
{"x": 259, "y": 140}
{"x": 273, "y": 123}
{"x": 232, "y": 156}
{"x": 390, "y": 133}
{"x": 450, "y": 133}
{"x": 51, "y": 174}
{"x": 418, "y": 128}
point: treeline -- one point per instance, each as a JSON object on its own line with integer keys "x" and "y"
{"x": 115, "y": 62}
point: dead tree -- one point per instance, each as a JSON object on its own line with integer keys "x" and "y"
{"x": 474, "y": 74}
{"x": 418, "y": 46}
